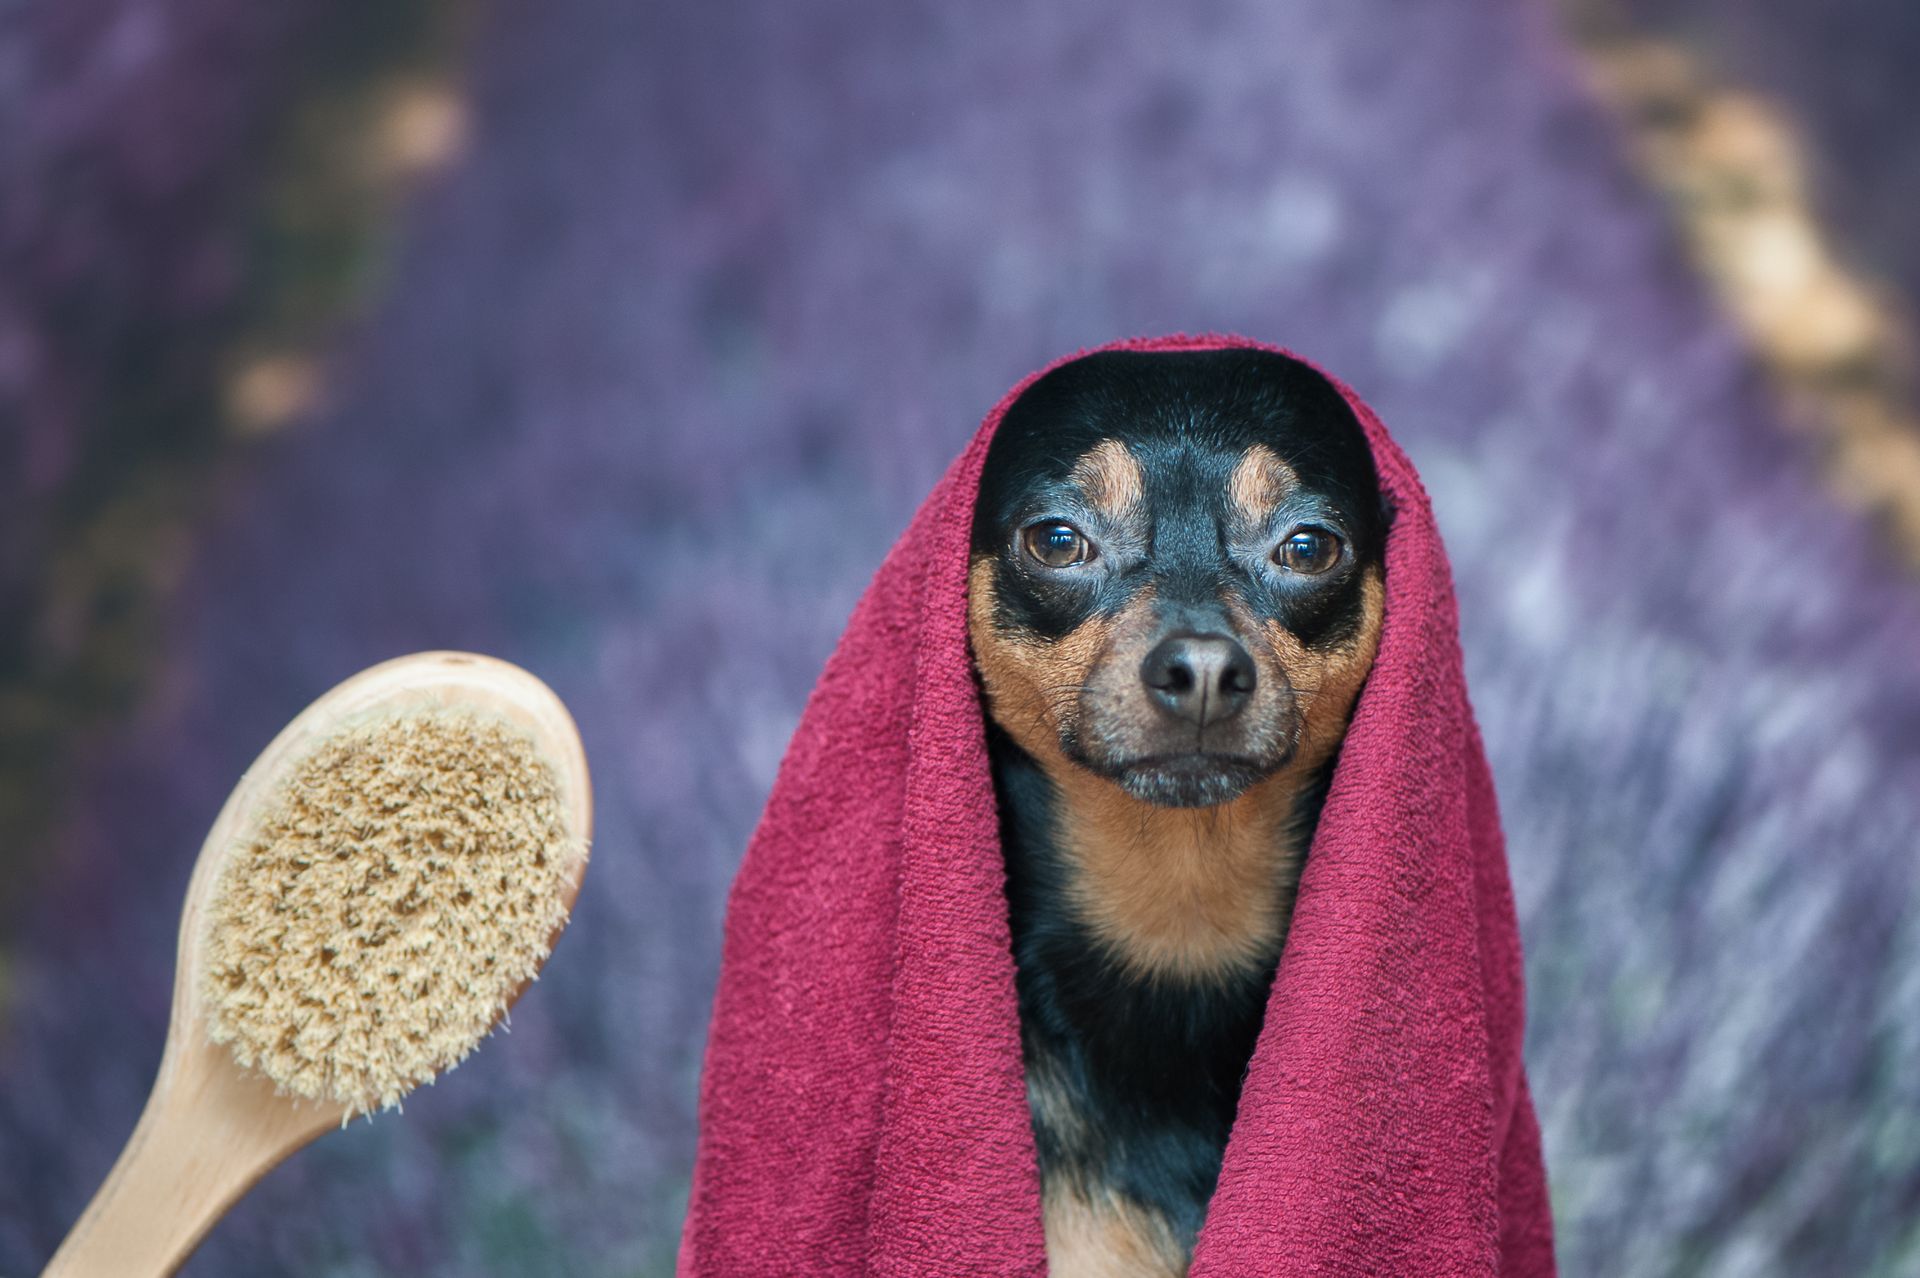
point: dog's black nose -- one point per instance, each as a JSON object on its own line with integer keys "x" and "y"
{"x": 1200, "y": 678}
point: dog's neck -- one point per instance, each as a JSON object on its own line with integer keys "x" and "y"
{"x": 1188, "y": 908}
{"x": 1188, "y": 892}
{"x": 1194, "y": 893}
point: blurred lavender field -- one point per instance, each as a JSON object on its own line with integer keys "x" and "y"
{"x": 665, "y": 362}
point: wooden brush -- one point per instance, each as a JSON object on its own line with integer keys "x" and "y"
{"x": 380, "y": 887}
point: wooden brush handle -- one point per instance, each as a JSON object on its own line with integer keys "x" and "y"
{"x": 209, "y": 1132}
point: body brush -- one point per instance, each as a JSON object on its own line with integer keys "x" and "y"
{"x": 383, "y": 883}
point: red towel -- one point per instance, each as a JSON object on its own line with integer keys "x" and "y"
{"x": 862, "y": 1109}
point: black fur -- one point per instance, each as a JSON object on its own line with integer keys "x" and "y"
{"x": 1152, "y": 1066}
{"x": 1188, "y": 416}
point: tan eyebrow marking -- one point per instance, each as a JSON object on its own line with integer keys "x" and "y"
{"x": 1260, "y": 481}
{"x": 1110, "y": 477}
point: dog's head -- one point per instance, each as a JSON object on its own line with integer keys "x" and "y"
{"x": 1176, "y": 577}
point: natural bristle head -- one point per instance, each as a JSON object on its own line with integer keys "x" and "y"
{"x": 404, "y": 881}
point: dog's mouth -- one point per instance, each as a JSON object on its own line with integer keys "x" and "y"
{"x": 1198, "y": 779}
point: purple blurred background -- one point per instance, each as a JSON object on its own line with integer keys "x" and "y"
{"x": 621, "y": 339}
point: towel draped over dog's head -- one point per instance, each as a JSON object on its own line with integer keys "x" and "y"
{"x": 862, "y": 1108}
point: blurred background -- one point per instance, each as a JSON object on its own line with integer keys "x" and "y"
{"x": 620, "y": 339}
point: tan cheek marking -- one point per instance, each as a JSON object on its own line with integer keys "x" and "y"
{"x": 1107, "y": 1237}
{"x": 1110, "y": 477}
{"x": 1032, "y": 685}
{"x": 1327, "y": 681}
{"x": 1260, "y": 481}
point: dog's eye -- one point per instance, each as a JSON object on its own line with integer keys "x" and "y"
{"x": 1057, "y": 545}
{"x": 1308, "y": 550}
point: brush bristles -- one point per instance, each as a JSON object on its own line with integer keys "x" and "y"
{"x": 405, "y": 881}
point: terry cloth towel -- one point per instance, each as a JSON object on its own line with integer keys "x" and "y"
{"x": 862, "y": 1109}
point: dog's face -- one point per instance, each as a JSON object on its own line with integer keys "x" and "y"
{"x": 1176, "y": 578}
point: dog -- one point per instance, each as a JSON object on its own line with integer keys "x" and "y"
{"x": 1175, "y": 593}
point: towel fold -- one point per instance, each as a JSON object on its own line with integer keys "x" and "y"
{"x": 862, "y": 1109}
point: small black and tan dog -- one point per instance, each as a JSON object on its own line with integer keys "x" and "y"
{"x": 1175, "y": 596}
